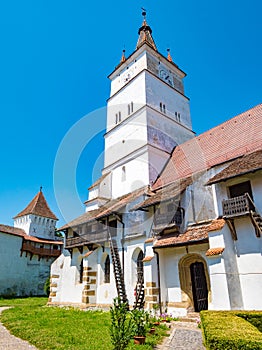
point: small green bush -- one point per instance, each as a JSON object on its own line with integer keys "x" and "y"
{"x": 47, "y": 286}
{"x": 121, "y": 329}
{"x": 228, "y": 330}
{"x": 141, "y": 322}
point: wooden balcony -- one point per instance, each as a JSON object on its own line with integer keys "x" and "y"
{"x": 86, "y": 238}
{"x": 237, "y": 206}
{"x": 169, "y": 219}
{"x": 41, "y": 252}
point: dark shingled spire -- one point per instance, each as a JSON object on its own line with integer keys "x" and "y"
{"x": 145, "y": 34}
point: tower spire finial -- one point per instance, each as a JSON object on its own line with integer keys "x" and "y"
{"x": 143, "y": 12}
{"x": 41, "y": 187}
{"x": 169, "y": 56}
{"x": 123, "y": 58}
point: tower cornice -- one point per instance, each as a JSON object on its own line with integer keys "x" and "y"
{"x": 146, "y": 48}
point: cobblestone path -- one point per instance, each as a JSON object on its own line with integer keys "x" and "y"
{"x": 184, "y": 336}
{"x": 10, "y": 342}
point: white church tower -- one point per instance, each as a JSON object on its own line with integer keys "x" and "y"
{"x": 148, "y": 114}
{"x": 37, "y": 219}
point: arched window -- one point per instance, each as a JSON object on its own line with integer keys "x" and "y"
{"x": 140, "y": 266}
{"x": 161, "y": 108}
{"x": 107, "y": 270}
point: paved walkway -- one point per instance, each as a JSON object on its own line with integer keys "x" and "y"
{"x": 10, "y": 342}
{"x": 184, "y": 336}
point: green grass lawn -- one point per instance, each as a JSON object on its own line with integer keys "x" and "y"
{"x": 51, "y": 328}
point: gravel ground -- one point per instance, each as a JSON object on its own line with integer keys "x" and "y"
{"x": 10, "y": 342}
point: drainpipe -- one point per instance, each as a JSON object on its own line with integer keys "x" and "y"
{"x": 158, "y": 280}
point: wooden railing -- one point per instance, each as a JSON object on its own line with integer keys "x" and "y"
{"x": 28, "y": 247}
{"x": 169, "y": 218}
{"x": 237, "y": 206}
{"x": 93, "y": 237}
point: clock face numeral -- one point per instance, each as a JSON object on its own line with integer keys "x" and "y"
{"x": 128, "y": 75}
{"x": 166, "y": 76}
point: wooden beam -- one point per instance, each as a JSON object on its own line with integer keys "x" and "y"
{"x": 231, "y": 225}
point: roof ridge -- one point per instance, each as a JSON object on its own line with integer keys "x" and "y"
{"x": 236, "y": 136}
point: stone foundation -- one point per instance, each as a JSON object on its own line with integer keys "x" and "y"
{"x": 89, "y": 290}
{"x": 151, "y": 295}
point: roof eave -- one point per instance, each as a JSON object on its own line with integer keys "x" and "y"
{"x": 232, "y": 177}
{"x": 173, "y": 245}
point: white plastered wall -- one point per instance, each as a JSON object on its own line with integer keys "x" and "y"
{"x": 20, "y": 276}
{"x": 247, "y": 249}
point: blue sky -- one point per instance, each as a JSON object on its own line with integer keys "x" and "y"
{"x": 54, "y": 62}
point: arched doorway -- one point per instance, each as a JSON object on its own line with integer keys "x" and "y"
{"x": 194, "y": 282}
{"x": 139, "y": 288}
{"x": 199, "y": 286}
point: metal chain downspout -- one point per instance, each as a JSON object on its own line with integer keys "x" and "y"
{"x": 158, "y": 277}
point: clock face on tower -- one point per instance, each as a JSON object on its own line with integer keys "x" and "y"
{"x": 128, "y": 75}
{"x": 166, "y": 76}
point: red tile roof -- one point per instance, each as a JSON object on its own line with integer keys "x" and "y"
{"x": 88, "y": 253}
{"x": 21, "y": 233}
{"x": 170, "y": 191}
{"x": 110, "y": 207}
{"x": 147, "y": 258}
{"x": 12, "y": 230}
{"x": 236, "y": 137}
{"x": 38, "y": 206}
{"x": 248, "y": 163}
{"x": 42, "y": 240}
{"x": 149, "y": 240}
{"x": 195, "y": 234}
{"x": 214, "y": 251}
